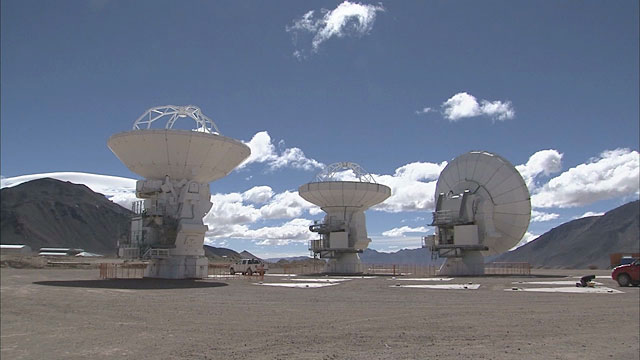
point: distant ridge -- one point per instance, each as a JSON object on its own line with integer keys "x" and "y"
{"x": 247, "y": 255}
{"x": 419, "y": 256}
{"x": 584, "y": 242}
{"x": 216, "y": 253}
{"x": 52, "y": 213}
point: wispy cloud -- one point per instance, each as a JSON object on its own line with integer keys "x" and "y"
{"x": 401, "y": 231}
{"x": 425, "y": 110}
{"x": 347, "y": 19}
{"x": 539, "y": 216}
{"x": 590, "y": 214}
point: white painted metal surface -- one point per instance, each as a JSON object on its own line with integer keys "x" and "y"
{"x": 180, "y": 154}
{"x": 177, "y": 166}
{"x": 344, "y": 193}
{"x": 502, "y": 201}
{"x": 343, "y": 232}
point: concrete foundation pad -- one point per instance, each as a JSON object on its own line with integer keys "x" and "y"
{"x": 423, "y": 279}
{"x": 558, "y": 282}
{"x": 442, "y": 287}
{"x": 321, "y": 280}
{"x": 573, "y": 290}
{"x": 298, "y": 285}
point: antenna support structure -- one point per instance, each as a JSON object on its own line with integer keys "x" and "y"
{"x": 482, "y": 207}
{"x": 167, "y": 228}
{"x": 342, "y": 233}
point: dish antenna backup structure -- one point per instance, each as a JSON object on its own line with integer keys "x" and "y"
{"x": 483, "y": 208}
{"x": 177, "y": 165}
{"x": 343, "y": 233}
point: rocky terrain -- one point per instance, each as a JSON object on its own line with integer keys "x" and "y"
{"x": 585, "y": 242}
{"x": 53, "y": 213}
{"x": 71, "y": 314}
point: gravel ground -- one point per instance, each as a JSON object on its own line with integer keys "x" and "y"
{"x": 71, "y": 314}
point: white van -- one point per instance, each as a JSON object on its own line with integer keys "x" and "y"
{"x": 247, "y": 266}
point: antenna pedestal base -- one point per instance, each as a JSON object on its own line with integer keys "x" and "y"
{"x": 470, "y": 264}
{"x": 178, "y": 267}
{"x": 344, "y": 263}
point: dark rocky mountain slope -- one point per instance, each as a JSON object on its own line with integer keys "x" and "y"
{"x": 52, "y": 213}
{"x": 583, "y": 242}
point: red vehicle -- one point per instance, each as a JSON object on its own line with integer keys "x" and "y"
{"x": 627, "y": 274}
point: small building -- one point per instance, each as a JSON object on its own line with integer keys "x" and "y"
{"x": 15, "y": 249}
{"x": 59, "y": 252}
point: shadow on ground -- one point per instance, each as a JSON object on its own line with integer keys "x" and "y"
{"x": 134, "y": 284}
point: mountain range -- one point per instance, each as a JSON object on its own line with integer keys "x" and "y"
{"x": 52, "y": 213}
{"x": 585, "y": 242}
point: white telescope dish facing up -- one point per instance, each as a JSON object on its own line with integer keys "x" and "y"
{"x": 343, "y": 232}
{"x": 483, "y": 207}
{"x": 177, "y": 166}
{"x": 200, "y": 155}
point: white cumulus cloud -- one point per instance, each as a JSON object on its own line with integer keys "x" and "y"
{"x": 264, "y": 151}
{"x": 347, "y": 19}
{"x": 412, "y": 187}
{"x": 614, "y": 173}
{"x": 285, "y": 205}
{"x": 295, "y": 230}
{"x": 258, "y": 194}
{"x": 543, "y": 162}
{"x": 464, "y": 105}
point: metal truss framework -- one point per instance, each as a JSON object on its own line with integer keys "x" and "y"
{"x": 204, "y": 124}
{"x": 328, "y": 174}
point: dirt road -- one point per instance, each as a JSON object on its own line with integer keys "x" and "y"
{"x": 71, "y": 314}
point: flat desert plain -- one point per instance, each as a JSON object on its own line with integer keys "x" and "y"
{"x": 72, "y": 314}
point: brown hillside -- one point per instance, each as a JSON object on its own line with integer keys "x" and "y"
{"x": 52, "y": 213}
{"x": 584, "y": 242}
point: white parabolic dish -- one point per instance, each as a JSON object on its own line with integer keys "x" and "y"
{"x": 180, "y": 154}
{"x": 505, "y": 197}
{"x": 344, "y": 193}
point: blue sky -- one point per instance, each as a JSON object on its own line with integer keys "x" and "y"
{"x": 312, "y": 83}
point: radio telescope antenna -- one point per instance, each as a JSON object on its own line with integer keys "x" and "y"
{"x": 177, "y": 165}
{"x": 343, "y": 232}
{"x": 483, "y": 207}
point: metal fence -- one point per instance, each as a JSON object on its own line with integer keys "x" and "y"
{"x": 401, "y": 269}
{"x": 507, "y": 268}
{"x": 122, "y": 271}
